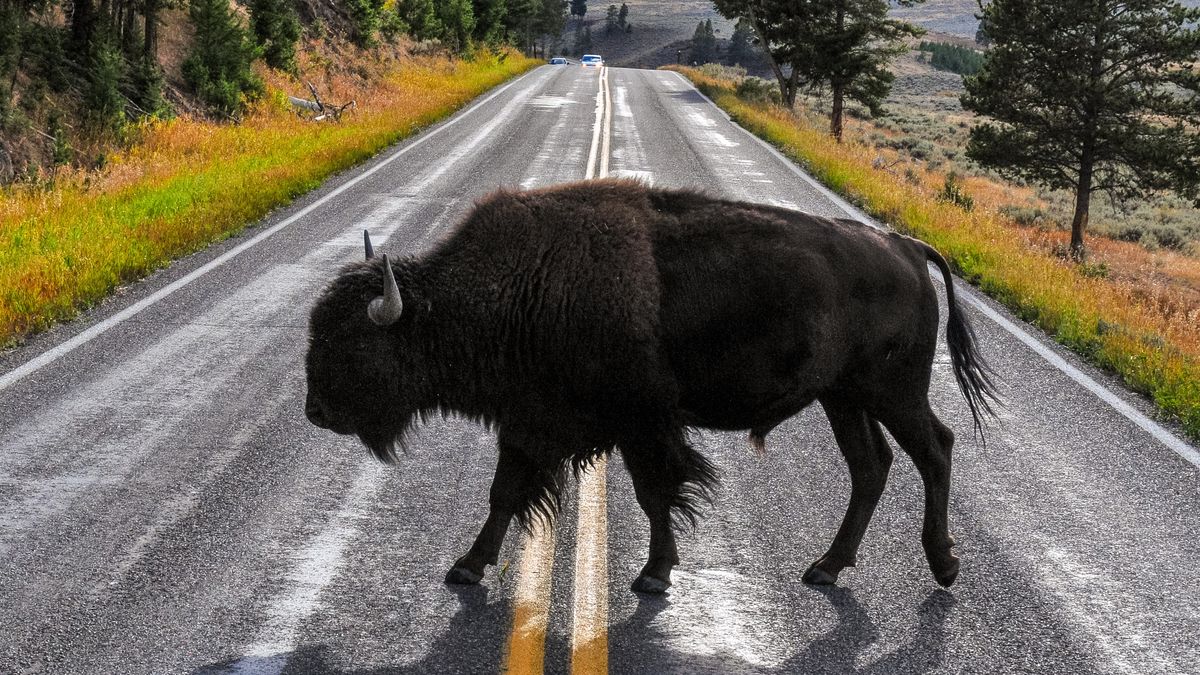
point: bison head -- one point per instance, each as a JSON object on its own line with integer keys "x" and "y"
{"x": 356, "y": 368}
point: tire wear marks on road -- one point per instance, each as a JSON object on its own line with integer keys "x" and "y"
{"x": 563, "y": 153}
{"x": 139, "y": 407}
{"x": 315, "y": 566}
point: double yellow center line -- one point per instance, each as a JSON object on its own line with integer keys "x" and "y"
{"x": 526, "y": 651}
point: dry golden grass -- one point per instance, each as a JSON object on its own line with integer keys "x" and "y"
{"x": 189, "y": 181}
{"x": 1123, "y": 320}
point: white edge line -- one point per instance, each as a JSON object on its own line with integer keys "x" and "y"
{"x": 1176, "y": 444}
{"x": 314, "y": 567}
{"x": 1151, "y": 427}
{"x": 58, "y": 351}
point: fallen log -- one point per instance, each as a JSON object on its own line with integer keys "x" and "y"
{"x": 323, "y": 110}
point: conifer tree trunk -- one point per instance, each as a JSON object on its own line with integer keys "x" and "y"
{"x": 837, "y": 87}
{"x": 787, "y": 84}
{"x": 1083, "y": 199}
{"x": 130, "y": 23}
{"x": 83, "y": 22}
{"x": 150, "y": 46}
{"x": 839, "y": 104}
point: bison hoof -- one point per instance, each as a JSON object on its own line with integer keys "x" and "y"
{"x": 819, "y": 577}
{"x": 462, "y": 575}
{"x": 949, "y": 573}
{"x": 648, "y": 584}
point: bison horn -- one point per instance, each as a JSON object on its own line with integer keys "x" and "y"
{"x": 385, "y": 310}
{"x": 367, "y": 241}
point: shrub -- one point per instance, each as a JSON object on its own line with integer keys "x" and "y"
{"x": 147, "y": 88}
{"x": 102, "y": 96}
{"x": 1026, "y": 216}
{"x": 953, "y": 58}
{"x": 367, "y": 16}
{"x": 727, "y": 72}
{"x": 277, "y": 28}
{"x": 759, "y": 90}
{"x": 219, "y": 66}
{"x": 953, "y": 193}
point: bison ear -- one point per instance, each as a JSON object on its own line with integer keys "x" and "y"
{"x": 385, "y": 310}
{"x": 367, "y": 241}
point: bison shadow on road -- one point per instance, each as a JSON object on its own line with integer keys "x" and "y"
{"x": 474, "y": 642}
{"x": 835, "y": 651}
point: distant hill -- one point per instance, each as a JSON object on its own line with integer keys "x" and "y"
{"x": 955, "y": 17}
{"x": 661, "y": 28}
{"x": 952, "y": 17}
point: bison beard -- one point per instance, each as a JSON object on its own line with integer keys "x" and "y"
{"x": 608, "y": 315}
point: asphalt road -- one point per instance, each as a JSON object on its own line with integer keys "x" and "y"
{"x": 166, "y": 508}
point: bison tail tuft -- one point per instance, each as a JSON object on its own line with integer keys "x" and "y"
{"x": 542, "y": 500}
{"x": 696, "y": 490}
{"x": 974, "y": 375}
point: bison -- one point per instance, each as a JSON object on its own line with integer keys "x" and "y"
{"x": 608, "y": 315}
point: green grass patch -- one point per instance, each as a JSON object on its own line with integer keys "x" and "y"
{"x": 187, "y": 183}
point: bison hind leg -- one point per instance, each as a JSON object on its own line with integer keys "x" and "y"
{"x": 869, "y": 458}
{"x": 672, "y": 481}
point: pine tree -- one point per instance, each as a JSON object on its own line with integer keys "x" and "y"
{"x": 490, "y": 17}
{"x": 842, "y": 44}
{"x": 367, "y": 17}
{"x": 741, "y": 46}
{"x": 277, "y": 28}
{"x": 1090, "y": 96}
{"x": 102, "y": 97}
{"x": 19, "y": 36}
{"x": 218, "y": 67}
{"x": 623, "y": 15}
{"x": 551, "y": 19}
{"x": 458, "y": 23}
{"x": 610, "y": 20}
{"x": 704, "y": 43}
{"x": 421, "y": 18}
{"x": 850, "y": 53}
{"x": 579, "y": 8}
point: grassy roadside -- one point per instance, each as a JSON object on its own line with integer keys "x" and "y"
{"x": 1155, "y": 348}
{"x": 186, "y": 183}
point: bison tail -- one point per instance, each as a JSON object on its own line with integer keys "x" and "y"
{"x": 696, "y": 487}
{"x": 974, "y": 375}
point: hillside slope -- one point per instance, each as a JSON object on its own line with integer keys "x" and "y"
{"x": 659, "y": 29}
{"x": 955, "y": 17}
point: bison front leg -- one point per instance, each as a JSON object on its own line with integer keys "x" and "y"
{"x": 519, "y": 489}
{"x": 666, "y": 478}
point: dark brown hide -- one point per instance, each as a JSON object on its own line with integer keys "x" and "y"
{"x": 609, "y": 315}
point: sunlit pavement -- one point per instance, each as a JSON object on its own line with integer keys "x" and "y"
{"x": 165, "y": 507}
